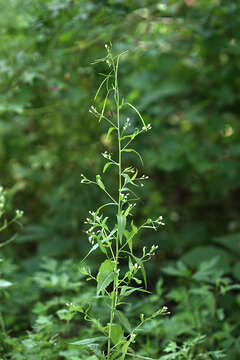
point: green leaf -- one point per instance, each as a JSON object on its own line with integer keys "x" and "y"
{"x": 105, "y": 275}
{"x": 106, "y": 166}
{"x": 126, "y": 212}
{"x": 128, "y": 180}
{"x": 115, "y": 355}
{"x": 134, "y": 175}
{"x": 110, "y": 130}
{"x": 236, "y": 270}
{"x": 124, "y": 320}
{"x": 105, "y": 280}
{"x": 103, "y": 108}
{"x": 130, "y": 236}
{"x": 106, "y": 265}
{"x": 116, "y": 333}
{"x": 137, "y": 112}
{"x": 89, "y": 341}
{"x": 125, "y": 347}
{"x": 99, "y": 182}
{"x": 121, "y": 219}
{"x": 100, "y": 86}
{"x": 231, "y": 242}
{"x": 128, "y": 290}
{"x": 195, "y": 256}
{"x": 104, "y": 205}
{"x": 138, "y": 356}
{"x": 134, "y": 151}
{"x": 65, "y": 314}
{"x": 131, "y": 136}
{"x": 179, "y": 269}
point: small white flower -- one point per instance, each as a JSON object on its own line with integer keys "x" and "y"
{"x": 19, "y": 213}
{"x": 93, "y": 109}
{"x": 146, "y": 127}
{"x": 144, "y": 250}
{"x": 133, "y": 336}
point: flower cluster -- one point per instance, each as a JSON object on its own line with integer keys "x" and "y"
{"x": 159, "y": 221}
{"x": 130, "y": 170}
{"x": 19, "y": 214}
{"x": 127, "y": 124}
{"x": 144, "y": 177}
{"x": 107, "y": 155}
{"x": 151, "y": 252}
{"x": 85, "y": 180}
{"x": 153, "y": 224}
{"x": 124, "y": 197}
{"x": 93, "y": 110}
{"x": 97, "y": 226}
{"x": 147, "y": 127}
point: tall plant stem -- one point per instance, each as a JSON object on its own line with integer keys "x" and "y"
{"x": 116, "y": 278}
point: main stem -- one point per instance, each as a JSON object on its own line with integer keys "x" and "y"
{"x": 116, "y": 278}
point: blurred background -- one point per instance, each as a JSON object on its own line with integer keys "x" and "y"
{"x": 182, "y": 72}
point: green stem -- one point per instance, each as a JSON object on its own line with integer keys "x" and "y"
{"x": 116, "y": 278}
{"x": 110, "y": 196}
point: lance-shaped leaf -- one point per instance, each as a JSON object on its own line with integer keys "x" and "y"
{"x": 127, "y": 211}
{"x": 134, "y": 151}
{"x": 137, "y": 112}
{"x": 103, "y": 108}
{"x": 89, "y": 341}
{"x": 131, "y": 136}
{"x": 135, "y": 175}
{"x": 110, "y": 130}
{"x": 130, "y": 235}
{"x": 99, "y": 182}
{"x": 128, "y": 290}
{"x": 107, "y": 165}
{"x": 128, "y": 179}
{"x": 121, "y": 219}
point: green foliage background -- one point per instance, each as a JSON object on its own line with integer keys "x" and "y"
{"x": 182, "y": 73}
